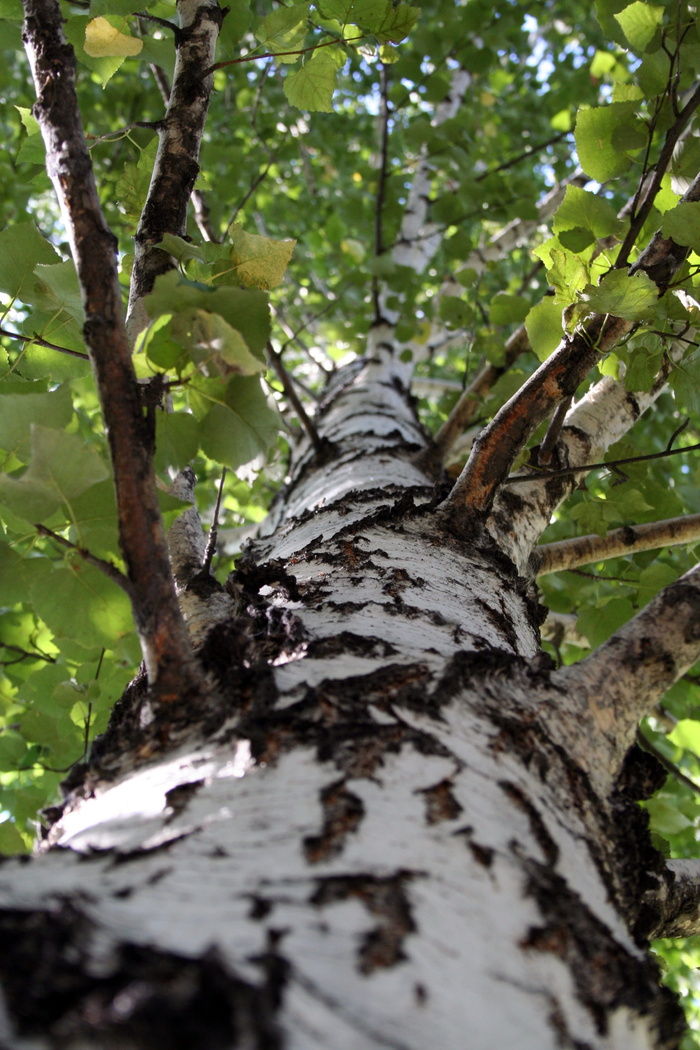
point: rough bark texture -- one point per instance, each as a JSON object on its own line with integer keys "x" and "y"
{"x": 383, "y": 837}
{"x": 162, "y": 632}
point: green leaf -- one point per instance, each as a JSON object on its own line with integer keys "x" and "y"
{"x": 595, "y": 129}
{"x": 686, "y": 734}
{"x": 590, "y": 517}
{"x": 597, "y": 624}
{"x": 177, "y": 440}
{"x": 12, "y": 749}
{"x": 246, "y": 310}
{"x": 455, "y": 312}
{"x": 13, "y": 586}
{"x": 583, "y": 209}
{"x": 312, "y": 87}
{"x": 666, "y": 818}
{"x": 566, "y": 271}
{"x": 179, "y": 248}
{"x": 284, "y": 29}
{"x": 643, "y": 364}
{"x": 213, "y": 343}
{"x": 396, "y": 23}
{"x": 39, "y": 362}
{"x": 61, "y": 468}
{"x": 682, "y": 224}
{"x": 543, "y": 325}
{"x": 685, "y": 382}
{"x": 357, "y": 12}
{"x": 239, "y": 431}
{"x": 32, "y": 150}
{"x": 58, "y": 288}
{"x": 79, "y": 602}
{"x": 20, "y": 405}
{"x": 11, "y": 9}
{"x": 22, "y": 248}
{"x": 508, "y": 309}
{"x": 11, "y": 842}
{"x": 632, "y": 298}
{"x": 641, "y": 24}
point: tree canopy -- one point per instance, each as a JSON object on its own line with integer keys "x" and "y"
{"x": 489, "y": 174}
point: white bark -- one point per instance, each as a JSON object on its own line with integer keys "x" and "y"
{"x": 401, "y": 828}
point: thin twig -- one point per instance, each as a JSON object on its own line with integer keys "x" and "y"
{"x": 381, "y": 184}
{"x": 291, "y": 393}
{"x": 670, "y": 767}
{"x": 105, "y": 567}
{"x": 672, "y": 136}
{"x": 544, "y": 455}
{"x": 250, "y": 191}
{"x": 25, "y": 654}
{"x": 613, "y": 464}
{"x": 111, "y": 136}
{"x": 521, "y": 156}
{"x": 43, "y": 342}
{"x": 250, "y": 57}
{"x": 214, "y": 529}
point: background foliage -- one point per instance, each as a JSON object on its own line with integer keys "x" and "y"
{"x": 295, "y": 151}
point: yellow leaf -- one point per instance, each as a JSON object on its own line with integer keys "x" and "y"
{"x": 260, "y": 262}
{"x": 102, "y": 40}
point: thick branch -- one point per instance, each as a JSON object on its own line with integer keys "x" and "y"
{"x": 582, "y": 550}
{"x": 622, "y": 680}
{"x": 473, "y": 395}
{"x": 159, "y": 623}
{"x": 177, "y": 160}
{"x": 681, "y": 910}
{"x": 596, "y": 422}
{"x": 499, "y": 444}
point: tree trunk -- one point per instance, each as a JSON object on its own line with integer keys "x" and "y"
{"x": 392, "y": 824}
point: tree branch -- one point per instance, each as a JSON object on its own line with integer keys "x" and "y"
{"x": 623, "y": 678}
{"x": 630, "y": 539}
{"x": 680, "y": 911}
{"x": 307, "y": 424}
{"x": 214, "y": 529}
{"x": 381, "y": 184}
{"x": 105, "y": 567}
{"x": 161, "y": 629}
{"x": 177, "y": 159}
{"x": 611, "y": 464}
{"x": 43, "y": 342}
{"x": 672, "y": 136}
{"x": 473, "y": 395}
{"x": 499, "y": 444}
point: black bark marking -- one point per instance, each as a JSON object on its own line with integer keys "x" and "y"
{"x": 149, "y": 1000}
{"x": 440, "y": 802}
{"x": 605, "y": 975}
{"x": 177, "y": 798}
{"x": 342, "y": 814}
{"x": 260, "y": 908}
{"x": 387, "y": 900}
{"x": 537, "y": 825}
{"x": 482, "y": 854}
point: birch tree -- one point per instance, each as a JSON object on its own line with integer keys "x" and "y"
{"x": 360, "y": 790}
